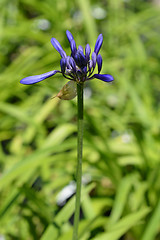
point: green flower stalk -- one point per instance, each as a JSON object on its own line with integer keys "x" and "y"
{"x": 79, "y": 158}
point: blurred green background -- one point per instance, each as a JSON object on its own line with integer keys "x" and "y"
{"x": 121, "y": 165}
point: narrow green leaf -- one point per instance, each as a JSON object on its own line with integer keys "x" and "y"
{"x": 121, "y": 198}
{"x": 51, "y": 232}
{"x": 123, "y": 225}
{"x": 153, "y": 224}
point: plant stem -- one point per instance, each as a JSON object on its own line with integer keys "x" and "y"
{"x": 79, "y": 159}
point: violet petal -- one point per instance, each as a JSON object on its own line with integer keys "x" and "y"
{"x": 72, "y": 42}
{"x": 98, "y": 44}
{"x": 63, "y": 64}
{"x": 73, "y": 47}
{"x": 87, "y": 52}
{"x": 58, "y": 47}
{"x": 99, "y": 62}
{"x": 104, "y": 77}
{"x": 72, "y": 63}
{"x": 94, "y": 59}
{"x": 38, "y": 78}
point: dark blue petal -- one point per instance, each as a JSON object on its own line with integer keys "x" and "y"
{"x": 63, "y": 64}
{"x": 90, "y": 65}
{"x": 84, "y": 70}
{"x": 72, "y": 63}
{"x": 80, "y": 59}
{"x": 73, "y": 47}
{"x": 38, "y": 78}
{"x": 87, "y": 52}
{"x": 94, "y": 59}
{"x": 99, "y": 62}
{"x": 104, "y": 77}
{"x": 68, "y": 63}
{"x": 58, "y": 47}
{"x": 69, "y": 36}
{"x": 80, "y": 48}
{"x": 83, "y": 58}
{"x": 98, "y": 44}
{"x": 72, "y": 42}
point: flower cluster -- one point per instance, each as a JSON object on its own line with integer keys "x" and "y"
{"x": 78, "y": 67}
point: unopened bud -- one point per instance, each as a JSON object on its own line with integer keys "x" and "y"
{"x": 69, "y": 91}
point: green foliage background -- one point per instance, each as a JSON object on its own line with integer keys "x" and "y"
{"x": 122, "y": 127}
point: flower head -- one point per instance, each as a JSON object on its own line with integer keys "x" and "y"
{"x": 79, "y": 66}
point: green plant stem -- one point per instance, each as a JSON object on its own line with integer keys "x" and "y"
{"x": 79, "y": 159}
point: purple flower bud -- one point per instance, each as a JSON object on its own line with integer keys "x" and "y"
{"x": 90, "y": 65}
{"x": 38, "y": 78}
{"x": 63, "y": 64}
{"x": 72, "y": 42}
{"x": 94, "y": 59}
{"x": 84, "y": 70}
{"x": 58, "y": 47}
{"x": 87, "y": 52}
{"x": 80, "y": 48}
{"x": 69, "y": 36}
{"x": 104, "y": 77}
{"x": 80, "y": 59}
{"x": 98, "y": 44}
{"x": 68, "y": 63}
{"x": 72, "y": 63}
{"x": 99, "y": 62}
{"x": 73, "y": 48}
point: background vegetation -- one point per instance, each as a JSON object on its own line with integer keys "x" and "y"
{"x": 121, "y": 167}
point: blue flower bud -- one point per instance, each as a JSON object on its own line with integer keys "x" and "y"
{"x": 98, "y": 44}
{"x": 63, "y": 64}
{"x": 58, "y": 47}
{"x": 80, "y": 58}
{"x": 72, "y": 42}
{"x": 99, "y": 62}
{"x": 87, "y": 52}
{"x": 94, "y": 59}
{"x": 72, "y": 63}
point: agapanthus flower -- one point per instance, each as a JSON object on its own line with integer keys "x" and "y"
{"x": 79, "y": 66}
